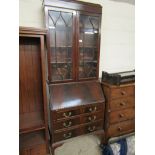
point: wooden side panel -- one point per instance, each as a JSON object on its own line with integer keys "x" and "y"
{"x": 30, "y": 75}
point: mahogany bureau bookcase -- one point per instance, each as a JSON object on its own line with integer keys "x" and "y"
{"x": 120, "y": 109}
{"x": 33, "y": 125}
{"x": 73, "y": 45}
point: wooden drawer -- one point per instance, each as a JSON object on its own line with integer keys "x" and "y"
{"x": 66, "y": 123}
{"x": 121, "y": 128}
{"x": 122, "y": 92}
{"x": 93, "y": 127}
{"x": 122, "y": 115}
{"x": 124, "y": 102}
{"x": 68, "y": 113}
{"x": 35, "y": 150}
{"x": 93, "y": 108}
{"x": 93, "y": 117}
{"x": 66, "y": 134}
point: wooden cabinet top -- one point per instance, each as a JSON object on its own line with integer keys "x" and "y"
{"x": 32, "y": 30}
{"x": 74, "y": 5}
{"x": 75, "y": 94}
{"x": 115, "y": 86}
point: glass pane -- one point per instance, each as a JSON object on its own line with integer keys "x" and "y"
{"x": 60, "y": 27}
{"x": 87, "y": 69}
{"x": 88, "y": 46}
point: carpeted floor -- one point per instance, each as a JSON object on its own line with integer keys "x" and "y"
{"x": 89, "y": 145}
{"x": 83, "y": 145}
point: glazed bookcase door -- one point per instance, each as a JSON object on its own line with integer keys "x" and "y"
{"x": 61, "y": 45}
{"x": 88, "y": 46}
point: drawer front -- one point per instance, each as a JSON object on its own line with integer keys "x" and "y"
{"x": 122, "y": 115}
{"x": 121, "y": 128}
{"x": 66, "y": 134}
{"x": 58, "y": 115}
{"x": 93, "y": 117}
{"x": 93, "y": 108}
{"x": 35, "y": 150}
{"x": 124, "y": 102}
{"x": 66, "y": 123}
{"x": 122, "y": 92}
{"x": 93, "y": 127}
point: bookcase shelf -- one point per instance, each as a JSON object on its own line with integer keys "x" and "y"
{"x": 32, "y": 139}
{"x": 29, "y": 122}
{"x": 33, "y": 143}
{"x": 33, "y": 124}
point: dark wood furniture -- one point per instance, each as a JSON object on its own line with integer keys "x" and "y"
{"x": 73, "y": 40}
{"x": 120, "y": 111}
{"x": 76, "y": 108}
{"x": 73, "y": 44}
{"x": 33, "y": 125}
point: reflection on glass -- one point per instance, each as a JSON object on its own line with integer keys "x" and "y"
{"x": 60, "y": 27}
{"x": 88, "y": 49}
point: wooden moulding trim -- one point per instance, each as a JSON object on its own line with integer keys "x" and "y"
{"x": 32, "y": 129}
{"x": 32, "y": 30}
{"x": 119, "y": 86}
{"x": 74, "y": 82}
{"x": 74, "y": 5}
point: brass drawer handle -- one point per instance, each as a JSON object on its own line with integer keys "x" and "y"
{"x": 67, "y": 135}
{"x": 67, "y": 125}
{"x": 92, "y": 118}
{"x": 67, "y": 115}
{"x": 123, "y": 93}
{"x": 91, "y": 128}
{"x": 119, "y": 129}
{"x": 122, "y": 103}
{"x": 121, "y": 115}
{"x": 92, "y": 110}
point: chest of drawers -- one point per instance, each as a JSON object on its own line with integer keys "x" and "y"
{"x": 119, "y": 111}
{"x": 75, "y": 109}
